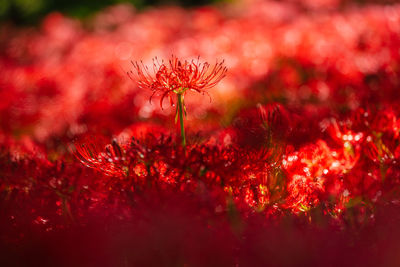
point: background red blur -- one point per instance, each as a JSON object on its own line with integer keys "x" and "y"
{"x": 293, "y": 162}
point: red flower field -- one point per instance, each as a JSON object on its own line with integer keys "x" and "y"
{"x": 289, "y": 154}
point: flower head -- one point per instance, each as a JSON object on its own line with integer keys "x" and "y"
{"x": 176, "y": 76}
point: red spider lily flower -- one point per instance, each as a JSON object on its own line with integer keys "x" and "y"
{"x": 111, "y": 160}
{"x": 176, "y": 76}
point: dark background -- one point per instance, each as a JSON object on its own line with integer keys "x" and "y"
{"x": 31, "y": 11}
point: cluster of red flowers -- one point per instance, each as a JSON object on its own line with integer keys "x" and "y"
{"x": 295, "y": 160}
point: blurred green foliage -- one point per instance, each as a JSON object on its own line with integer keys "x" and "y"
{"x": 31, "y": 11}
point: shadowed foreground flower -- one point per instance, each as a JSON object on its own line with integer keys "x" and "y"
{"x": 177, "y": 77}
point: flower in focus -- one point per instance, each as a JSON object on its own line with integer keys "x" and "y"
{"x": 176, "y": 76}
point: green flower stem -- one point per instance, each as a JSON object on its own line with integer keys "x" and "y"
{"x": 180, "y": 108}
